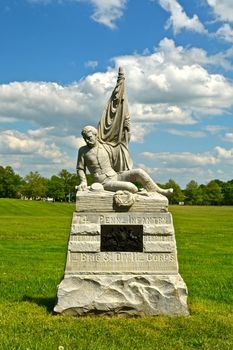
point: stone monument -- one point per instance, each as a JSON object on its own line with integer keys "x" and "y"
{"x": 121, "y": 255}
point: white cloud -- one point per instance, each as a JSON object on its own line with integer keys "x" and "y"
{"x": 225, "y": 32}
{"x": 179, "y": 19}
{"x": 171, "y": 75}
{"x": 169, "y": 86}
{"x": 15, "y": 142}
{"x": 157, "y": 113}
{"x": 139, "y": 130}
{"x": 229, "y": 136}
{"x": 222, "y": 9}
{"x": 182, "y": 158}
{"x": 38, "y": 150}
{"x": 185, "y": 166}
{"x": 180, "y": 56}
{"x": 224, "y": 153}
{"x": 108, "y": 11}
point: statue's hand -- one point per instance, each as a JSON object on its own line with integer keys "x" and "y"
{"x": 127, "y": 124}
{"x": 82, "y": 186}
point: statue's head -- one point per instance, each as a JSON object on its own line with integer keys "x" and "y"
{"x": 89, "y": 133}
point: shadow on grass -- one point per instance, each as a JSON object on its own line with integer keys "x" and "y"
{"x": 48, "y": 303}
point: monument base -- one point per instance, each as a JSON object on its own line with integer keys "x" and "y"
{"x": 121, "y": 259}
{"x": 128, "y": 295}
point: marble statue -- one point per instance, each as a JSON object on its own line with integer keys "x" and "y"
{"x": 96, "y": 157}
{"x": 106, "y": 154}
{"x": 121, "y": 254}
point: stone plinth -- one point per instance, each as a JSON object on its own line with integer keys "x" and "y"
{"x": 121, "y": 260}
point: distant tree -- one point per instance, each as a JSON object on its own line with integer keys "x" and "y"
{"x": 70, "y": 181}
{"x": 56, "y": 188}
{"x": 193, "y": 195}
{"x": 10, "y": 183}
{"x": 213, "y": 194}
{"x": 35, "y": 186}
{"x": 177, "y": 195}
{"x": 227, "y": 191}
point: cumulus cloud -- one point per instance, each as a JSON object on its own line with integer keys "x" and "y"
{"x": 170, "y": 86}
{"x": 222, "y": 9}
{"x": 15, "y": 142}
{"x": 225, "y": 32}
{"x": 158, "y": 113}
{"x": 179, "y": 19}
{"x": 108, "y": 11}
{"x": 171, "y": 75}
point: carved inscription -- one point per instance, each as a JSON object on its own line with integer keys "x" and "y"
{"x": 123, "y": 218}
{"x": 121, "y": 262}
{"x": 133, "y": 220}
{"x": 127, "y": 258}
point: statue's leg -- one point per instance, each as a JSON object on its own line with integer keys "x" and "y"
{"x": 120, "y": 185}
{"x": 139, "y": 175}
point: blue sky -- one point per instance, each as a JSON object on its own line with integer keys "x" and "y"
{"x": 58, "y": 65}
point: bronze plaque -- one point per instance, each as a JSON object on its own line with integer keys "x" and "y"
{"x": 121, "y": 238}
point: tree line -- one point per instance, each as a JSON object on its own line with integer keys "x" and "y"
{"x": 61, "y": 187}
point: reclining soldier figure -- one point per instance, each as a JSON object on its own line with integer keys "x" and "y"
{"x": 96, "y": 157}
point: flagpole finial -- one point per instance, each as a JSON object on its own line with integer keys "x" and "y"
{"x": 120, "y": 71}
{"x": 121, "y": 74}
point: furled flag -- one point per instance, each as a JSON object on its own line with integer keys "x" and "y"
{"x": 114, "y": 126}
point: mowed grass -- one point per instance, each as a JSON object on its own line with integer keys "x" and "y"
{"x": 33, "y": 239}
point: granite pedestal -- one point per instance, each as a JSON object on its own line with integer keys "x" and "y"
{"x": 121, "y": 258}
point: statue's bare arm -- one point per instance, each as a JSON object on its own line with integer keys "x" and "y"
{"x": 81, "y": 171}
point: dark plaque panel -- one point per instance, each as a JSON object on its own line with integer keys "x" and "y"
{"x": 121, "y": 238}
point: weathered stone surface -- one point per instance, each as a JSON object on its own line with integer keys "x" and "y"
{"x": 122, "y": 294}
{"x": 158, "y": 247}
{"x": 121, "y": 262}
{"x": 85, "y": 229}
{"x": 161, "y": 222}
{"x": 103, "y": 202}
{"x": 158, "y": 229}
{"x": 82, "y": 246}
{"x": 140, "y": 278}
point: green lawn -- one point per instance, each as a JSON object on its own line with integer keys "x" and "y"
{"x": 33, "y": 238}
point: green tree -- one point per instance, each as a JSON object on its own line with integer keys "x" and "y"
{"x": 56, "y": 188}
{"x": 35, "y": 185}
{"x": 213, "y": 193}
{"x": 69, "y": 181}
{"x": 227, "y": 191}
{"x": 177, "y": 195}
{"x": 10, "y": 183}
{"x": 193, "y": 194}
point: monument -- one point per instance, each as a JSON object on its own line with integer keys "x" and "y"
{"x": 121, "y": 255}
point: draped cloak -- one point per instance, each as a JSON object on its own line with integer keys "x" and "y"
{"x": 114, "y": 127}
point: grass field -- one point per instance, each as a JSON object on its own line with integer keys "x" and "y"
{"x": 33, "y": 238}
